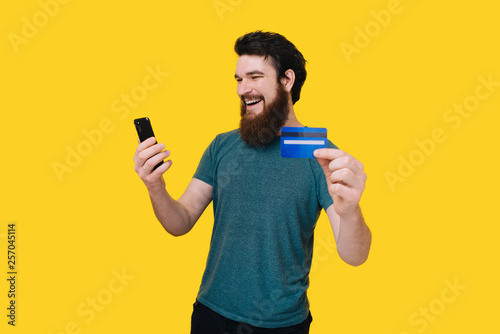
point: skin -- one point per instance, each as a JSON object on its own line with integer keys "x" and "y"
{"x": 256, "y": 79}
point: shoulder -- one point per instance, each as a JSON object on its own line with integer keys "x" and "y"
{"x": 229, "y": 135}
{"x": 224, "y": 141}
{"x": 331, "y": 145}
{"x": 226, "y": 138}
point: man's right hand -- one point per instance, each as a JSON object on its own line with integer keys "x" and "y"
{"x": 148, "y": 155}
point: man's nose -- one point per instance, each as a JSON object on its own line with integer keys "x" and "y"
{"x": 244, "y": 87}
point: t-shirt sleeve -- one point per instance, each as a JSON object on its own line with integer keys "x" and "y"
{"x": 205, "y": 171}
{"x": 325, "y": 200}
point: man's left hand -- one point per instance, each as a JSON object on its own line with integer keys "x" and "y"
{"x": 345, "y": 179}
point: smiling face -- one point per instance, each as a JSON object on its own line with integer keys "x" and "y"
{"x": 257, "y": 82}
{"x": 264, "y": 100}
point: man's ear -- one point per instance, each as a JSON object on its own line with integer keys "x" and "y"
{"x": 288, "y": 80}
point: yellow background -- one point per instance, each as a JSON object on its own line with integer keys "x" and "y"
{"x": 440, "y": 225}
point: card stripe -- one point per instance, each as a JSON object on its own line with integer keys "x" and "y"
{"x": 303, "y": 142}
{"x": 304, "y": 134}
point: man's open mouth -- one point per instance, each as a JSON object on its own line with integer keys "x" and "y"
{"x": 252, "y": 102}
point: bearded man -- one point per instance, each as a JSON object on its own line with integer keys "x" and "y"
{"x": 265, "y": 206}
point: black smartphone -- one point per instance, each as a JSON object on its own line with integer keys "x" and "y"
{"x": 145, "y": 131}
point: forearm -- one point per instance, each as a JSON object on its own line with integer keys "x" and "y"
{"x": 354, "y": 240}
{"x": 172, "y": 215}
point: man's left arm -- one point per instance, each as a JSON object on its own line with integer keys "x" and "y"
{"x": 346, "y": 182}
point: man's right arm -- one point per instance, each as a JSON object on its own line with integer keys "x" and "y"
{"x": 177, "y": 217}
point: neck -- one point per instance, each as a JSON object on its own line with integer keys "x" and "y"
{"x": 292, "y": 120}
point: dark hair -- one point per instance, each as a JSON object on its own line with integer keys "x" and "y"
{"x": 283, "y": 53}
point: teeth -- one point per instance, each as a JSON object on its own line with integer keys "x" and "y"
{"x": 252, "y": 102}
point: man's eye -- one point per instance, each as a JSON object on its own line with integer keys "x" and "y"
{"x": 255, "y": 77}
{"x": 239, "y": 80}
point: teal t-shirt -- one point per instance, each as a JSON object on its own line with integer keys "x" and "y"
{"x": 265, "y": 211}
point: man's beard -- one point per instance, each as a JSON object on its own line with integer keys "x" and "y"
{"x": 260, "y": 130}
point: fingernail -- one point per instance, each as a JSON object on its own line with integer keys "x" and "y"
{"x": 317, "y": 153}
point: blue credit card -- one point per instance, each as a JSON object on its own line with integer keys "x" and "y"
{"x": 301, "y": 142}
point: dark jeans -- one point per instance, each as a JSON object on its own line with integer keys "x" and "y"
{"x": 206, "y": 321}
